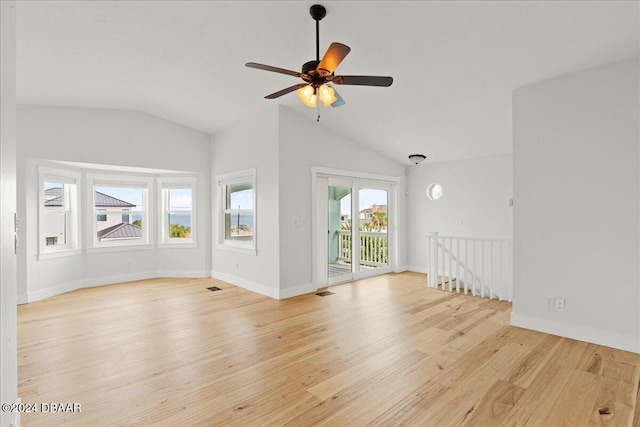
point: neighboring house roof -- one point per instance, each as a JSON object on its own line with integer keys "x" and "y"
{"x": 374, "y": 208}
{"x": 56, "y": 201}
{"x": 120, "y": 231}
{"x": 103, "y": 200}
{"x": 53, "y": 191}
{"x": 53, "y": 196}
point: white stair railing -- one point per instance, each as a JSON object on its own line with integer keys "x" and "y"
{"x": 480, "y": 266}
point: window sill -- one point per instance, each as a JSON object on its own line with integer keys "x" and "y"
{"x": 178, "y": 245}
{"x": 59, "y": 254}
{"x": 237, "y": 249}
{"x": 119, "y": 248}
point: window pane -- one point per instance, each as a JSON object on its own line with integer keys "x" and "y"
{"x": 374, "y": 242}
{"x": 238, "y": 226}
{"x": 127, "y": 199}
{"x": 179, "y": 226}
{"x": 120, "y": 220}
{"x": 55, "y": 226}
{"x": 55, "y": 217}
{"x": 180, "y": 199}
{"x": 137, "y": 220}
{"x": 53, "y": 195}
{"x": 240, "y": 196}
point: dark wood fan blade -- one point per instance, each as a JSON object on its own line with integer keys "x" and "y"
{"x": 384, "y": 81}
{"x": 332, "y": 58}
{"x": 274, "y": 69}
{"x": 285, "y": 91}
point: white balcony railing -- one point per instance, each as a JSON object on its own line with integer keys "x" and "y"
{"x": 482, "y": 267}
{"x": 374, "y": 247}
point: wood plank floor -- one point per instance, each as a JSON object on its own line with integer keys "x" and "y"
{"x": 383, "y": 351}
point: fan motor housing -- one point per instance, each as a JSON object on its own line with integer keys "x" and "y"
{"x": 310, "y": 67}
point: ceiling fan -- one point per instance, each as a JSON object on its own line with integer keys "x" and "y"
{"x": 319, "y": 73}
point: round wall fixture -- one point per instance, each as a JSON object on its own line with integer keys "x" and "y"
{"x": 434, "y": 191}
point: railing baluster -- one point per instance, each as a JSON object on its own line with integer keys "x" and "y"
{"x": 448, "y": 280}
{"x": 430, "y": 262}
{"x": 457, "y": 265}
{"x": 442, "y": 265}
{"x": 482, "y": 285}
{"x": 475, "y": 266}
{"x": 491, "y": 283}
{"x": 433, "y": 280}
{"x": 466, "y": 265}
{"x": 500, "y": 294}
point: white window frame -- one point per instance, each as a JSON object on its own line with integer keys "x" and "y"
{"x": 222, "y": 181}
{"x": 125, "y": 181}
{"x": 72, "y": 203}
{"x": 164, "y": 185}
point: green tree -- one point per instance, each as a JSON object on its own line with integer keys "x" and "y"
{"x": 378, "y": 220}
{"x": 179, "y": 231}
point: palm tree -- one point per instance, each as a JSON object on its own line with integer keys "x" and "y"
{"x": 378, "y": 220}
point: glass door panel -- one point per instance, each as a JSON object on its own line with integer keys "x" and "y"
{"x": 372, "y": 226}
{"x": 339, "y": 234}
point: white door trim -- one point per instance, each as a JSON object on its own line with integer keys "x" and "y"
{"x": 319, "y": 177}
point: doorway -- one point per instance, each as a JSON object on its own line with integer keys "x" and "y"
{"x": 354, "y": 228}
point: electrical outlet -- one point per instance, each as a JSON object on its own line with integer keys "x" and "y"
{"x": 560, "y": 303}
{"x": 549, "y": 302}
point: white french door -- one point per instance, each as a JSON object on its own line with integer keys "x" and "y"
{"x": 355, "y": 228}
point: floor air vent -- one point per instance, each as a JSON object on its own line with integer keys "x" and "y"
{"x": 324, "y": 294}
{"x": 214, "y": 288}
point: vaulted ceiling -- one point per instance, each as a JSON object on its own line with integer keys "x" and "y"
{"x": 455, "y": 64}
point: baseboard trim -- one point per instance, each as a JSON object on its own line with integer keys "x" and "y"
{"x": 119, "y": 278}
{"x": 307, "y": 288}
{"x": 22, "y": 299}
{"x": 104, "y": 281}
{"x": 401, "y": 269}
{"x": 417, "y": 269}
{"x": 53, "y": 291}
{"x": 186, "y": 274}
{"x": 611, "y": 339}
{"x": 246, "y": 284}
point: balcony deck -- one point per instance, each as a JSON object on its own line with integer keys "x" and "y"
{"x": 339, "y": 269}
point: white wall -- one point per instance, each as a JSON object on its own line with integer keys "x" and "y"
{"x": 305, "y": 143}
{"x": 576, "y": 212}
{"x": 475, "y": 202}
{"x": 123, "y": 138}
{"x": 8, "y": 281}
{"x": 252, "y": 143}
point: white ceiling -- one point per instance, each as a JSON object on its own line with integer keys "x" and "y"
{"x": 454, "y": 64}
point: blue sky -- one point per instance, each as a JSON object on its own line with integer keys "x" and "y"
{"x": 368, "y": 198}
{"x": 180, "y": 198}
{"x": 243, "y": 199}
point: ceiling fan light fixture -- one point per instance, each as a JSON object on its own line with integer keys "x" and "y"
{"x": 307, "y": 95}
{"x": 317, "y": 73}
{"x": 327, "y": 95}
{"x": 417, "y": 158}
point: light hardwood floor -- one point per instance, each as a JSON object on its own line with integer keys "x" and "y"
{"x": 383, "y": 351}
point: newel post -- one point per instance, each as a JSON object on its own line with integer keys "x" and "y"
{"x": 432, "y": 255}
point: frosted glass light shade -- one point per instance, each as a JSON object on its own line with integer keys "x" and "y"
{"x": 327, "y": 95}
{"x": 307, "y": 96}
